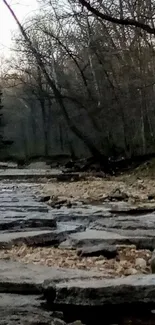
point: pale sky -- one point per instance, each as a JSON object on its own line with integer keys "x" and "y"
{"x": 22, "y": 8}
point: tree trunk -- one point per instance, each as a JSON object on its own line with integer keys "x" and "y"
{"x": 84, "y": 138}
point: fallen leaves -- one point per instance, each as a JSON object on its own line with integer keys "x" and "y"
{"x": 129, "y": 261}
{"x": 98, "y": 190}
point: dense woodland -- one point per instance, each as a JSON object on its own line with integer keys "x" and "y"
{"x": 80, "y": 85}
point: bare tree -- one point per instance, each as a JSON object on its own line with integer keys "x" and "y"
{"x": 85, "y": 138}
{"x": 120, "y": 21}
{"x": 96, "y": 72}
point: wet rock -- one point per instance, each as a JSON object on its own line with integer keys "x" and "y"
{"x": 108, "y": 251}
{"x": 140, "y": 262}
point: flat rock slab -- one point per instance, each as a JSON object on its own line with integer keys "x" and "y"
{"x": 23, "y": 310}
{"x": 137, "y": 228}
{"x": 148, "y": 233}
{"x": 27, "y": 237}
{"x": 18, "y": 173}
{"x": 10, "y": 225}
{"x": 34, "y": 209}
{"x": 108, "y": 251}
{"x": 127, "y": 208}
{"x": 104, "y": 226}
{"x": 8, "y": 165}
{"x": 128, "y": 222}
{"x": 82, "y": 213}
{"x": 36, "y": 237}
{"x": 22, "y": 278}
{"x": 38, "y": 174}
{"x": 94, "y": 237}
{"x": 22, "y": 284}
{"x": 16, "y": 214}
{"x": 130, "y": 290}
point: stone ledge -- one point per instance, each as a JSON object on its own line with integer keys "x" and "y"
{"x": 22, "y": 309}
{"x": 103, "y": 237}
{"x": 17, "y": 277}
{"x": 120, "y": 291}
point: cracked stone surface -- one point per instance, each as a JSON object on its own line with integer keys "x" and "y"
{"x": 75, "y": 287}
{"x": 26, "y": 220}
{"x": 28, "y": 278}
{"x": 130, "y": 290}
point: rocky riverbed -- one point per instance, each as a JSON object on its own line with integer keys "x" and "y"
{"x": 128, "y": 261}
{"x": 74, "y": 258}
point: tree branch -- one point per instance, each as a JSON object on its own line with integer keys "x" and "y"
{"x": 122, "y": 21}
